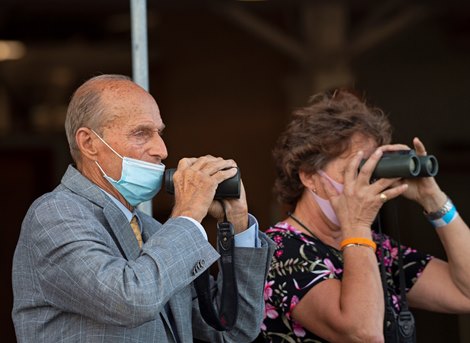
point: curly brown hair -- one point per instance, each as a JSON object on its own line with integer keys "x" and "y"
{"x": 320, "y": 132}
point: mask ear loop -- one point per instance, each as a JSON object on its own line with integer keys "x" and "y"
{"x": 109, "y": 146}
{"x": 104, "y": 174}
{"x": 101, "y": 139}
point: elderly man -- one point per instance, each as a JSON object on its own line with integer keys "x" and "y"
{"x": 90, "y": 267}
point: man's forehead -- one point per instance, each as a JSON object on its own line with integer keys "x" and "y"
{"x": 125, "y": 93}
{"x": 129, "y": 122}
{"x": 148, "y": 125}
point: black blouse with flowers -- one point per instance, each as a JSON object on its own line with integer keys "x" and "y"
{"x": 300, "y": 262}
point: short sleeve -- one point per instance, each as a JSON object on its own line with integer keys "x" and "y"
{"x": 299, "y": 263}
{"x": 414, "y": 261}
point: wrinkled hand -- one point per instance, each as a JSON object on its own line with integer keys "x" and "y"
{"x": 236, "y": 209}
{"x": 357, "y": 206}
{"x": 195, "y": 181}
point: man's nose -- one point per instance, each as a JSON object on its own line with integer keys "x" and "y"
{"x": 158, "y": 147}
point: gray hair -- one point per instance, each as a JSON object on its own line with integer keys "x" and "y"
{"x": 86, "y": 109}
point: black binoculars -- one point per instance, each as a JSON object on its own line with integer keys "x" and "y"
{"x": 404, "y": 164}
{"x": 229, "y": 188}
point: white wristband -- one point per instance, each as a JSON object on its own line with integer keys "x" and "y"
{"x": 444, "y": 216}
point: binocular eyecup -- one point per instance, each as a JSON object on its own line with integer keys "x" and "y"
{"x": 227, "y": 189}
{"x": 404, "y": 164}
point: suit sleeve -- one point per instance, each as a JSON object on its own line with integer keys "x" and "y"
{"x": 251, "y": 268}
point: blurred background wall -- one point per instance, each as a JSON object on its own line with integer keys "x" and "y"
{"x": 227, "y": 75}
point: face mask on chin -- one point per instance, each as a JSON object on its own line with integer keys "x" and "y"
{"x": 140, "y": 181}
{"x": 325, "y": 204}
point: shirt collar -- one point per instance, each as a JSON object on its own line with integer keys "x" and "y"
{"x": 123, "y": 208}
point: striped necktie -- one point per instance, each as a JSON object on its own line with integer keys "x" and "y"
{"x": 136, "y": 229}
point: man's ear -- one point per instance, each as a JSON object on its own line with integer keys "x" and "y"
{"x": 86, "y": 143}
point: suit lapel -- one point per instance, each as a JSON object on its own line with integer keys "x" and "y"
{"x": 149, "y": 226}
{"x": 119, "y": 227}
{"x": 122, "y": 231}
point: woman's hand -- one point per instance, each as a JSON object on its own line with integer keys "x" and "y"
{"x": 357, "y": 206}
{"x": 424, "y": 190}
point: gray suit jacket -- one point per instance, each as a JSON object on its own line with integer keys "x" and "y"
{"x": 73, "y": 283}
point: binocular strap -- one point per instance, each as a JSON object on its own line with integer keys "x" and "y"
{"x": 398, "y": 328}
{"x": 226, "y": 316}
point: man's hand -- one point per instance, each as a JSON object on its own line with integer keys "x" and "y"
{"x": 195, "y": 181}
{"x": 237, "y": 211}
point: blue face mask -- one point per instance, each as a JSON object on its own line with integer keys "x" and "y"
{"x": 140, "y": 181}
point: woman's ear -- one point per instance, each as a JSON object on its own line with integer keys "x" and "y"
{"x": 308, "y": 180}
{"x": 86, "y": 143}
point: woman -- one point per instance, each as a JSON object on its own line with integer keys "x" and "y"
{"x": 325, "y": 280}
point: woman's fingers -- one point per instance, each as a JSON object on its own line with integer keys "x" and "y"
{"x": 350, "y": 174}
{"x": 368, "y": 167}
{"x": 330, "y": 190}
{"x": 391, "y": 193}
{"x": 419, "y": 147}
{"x": 394, "y": 147}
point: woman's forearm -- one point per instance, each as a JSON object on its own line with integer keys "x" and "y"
{"x": 362, "y": 297}
{"x": 455, "y": 238}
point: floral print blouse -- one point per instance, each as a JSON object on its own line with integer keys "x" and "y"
{"x": 300, "y": 262}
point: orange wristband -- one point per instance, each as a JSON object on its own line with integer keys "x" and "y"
{"x": 358, "y": 241}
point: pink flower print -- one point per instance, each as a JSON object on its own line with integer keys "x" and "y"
{"x": 279, "y": 253}
{"x": 278, "y": 239}
{"x": 283, "y": 225}
{"x": 293, "y": 230}
{"x": 270, "y": 311}
{"x": 330, "y": 270}
{"x": 379, "y": 253}
{"x": 393, "y": 253}
{"x": 279, "y": 227}
{"x": 396, "y": 302}
{"x": 408, "y": 250}
{"x": 331, "y": 267}
{"x": 293, "y": 302}
{"x": 304, "y": 239}
{"x": 268, "y": 291}
{"x": 298, "y": 329}
{"x": 263, "y": 326}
